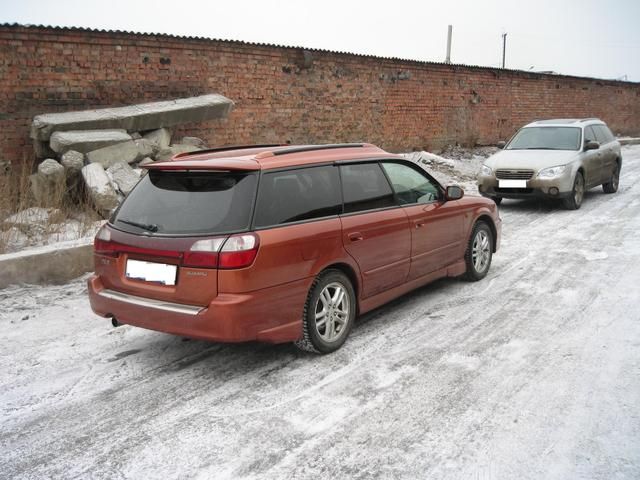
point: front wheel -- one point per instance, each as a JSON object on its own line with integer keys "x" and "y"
{"x": 479, "y": 252}
{"x": 612, "y": 185}
{"x": 574, "y": 201}
{"x": 328, "y": 314}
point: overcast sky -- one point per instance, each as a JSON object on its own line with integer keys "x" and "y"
{"x": 577, "y": 37}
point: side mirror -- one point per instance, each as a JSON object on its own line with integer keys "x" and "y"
{"x": 501, "y": 144}
{"x": 592, "y": 145}
{"x": 453, "y": 192}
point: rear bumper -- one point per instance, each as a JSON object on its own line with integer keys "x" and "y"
{"x": 271, "y": 315}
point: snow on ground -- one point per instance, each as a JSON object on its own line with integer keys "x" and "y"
{"x": 532, "y": 373}
{"x": 458, "y": 170}
{"x": 37, "y": 227}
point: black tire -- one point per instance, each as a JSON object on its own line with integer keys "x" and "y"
{"x": 612, "y": 185}
{"x": 316, "y": 338}
{"x": 498, "y": 200}
{"x": 480, "y": 243}
{"x": 574, "y": 201}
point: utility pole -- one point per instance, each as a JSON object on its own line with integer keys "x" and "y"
{"x": 504, "y": 47}
{"x": 449, "y": 30}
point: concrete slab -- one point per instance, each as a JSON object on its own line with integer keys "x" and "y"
{"x": 101, "y": 192}
{"x": 160, "y": 137}
{"x": 134, "y": 118}
{"x": 54, "y": 264}
{"x": 120, "y": 152}
{"x": 84, "y": 141}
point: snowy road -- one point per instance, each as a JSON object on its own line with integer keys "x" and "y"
{"x": 533, "y": 373}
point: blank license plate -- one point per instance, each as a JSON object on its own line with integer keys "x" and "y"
{"x": 512, "y": 183}
{"x": 151, "y": 272}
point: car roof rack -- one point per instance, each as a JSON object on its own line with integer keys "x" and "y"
{"x": 228, "y": 148}
{"x": 311, "y": 148}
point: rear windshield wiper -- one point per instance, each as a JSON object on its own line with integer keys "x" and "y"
{"x": 149, "y": 227}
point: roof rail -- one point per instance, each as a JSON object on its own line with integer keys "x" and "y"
{"x": 310, "y": 148}
{"x": 228, "y": 148}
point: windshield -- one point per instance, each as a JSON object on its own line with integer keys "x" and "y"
{"x": 166, "y": 202}
{"x": 546, "y": 138}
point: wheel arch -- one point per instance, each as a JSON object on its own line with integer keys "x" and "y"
{"x": 351, "y": 274}
{"x": 494, "y": 233}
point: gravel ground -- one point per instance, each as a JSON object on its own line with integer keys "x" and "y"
{"x": 532, "y": 373}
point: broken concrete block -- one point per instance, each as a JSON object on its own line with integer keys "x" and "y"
{"x": 120, "y": 152}
{"x": 168, "y": 153}
{"x": 124, "y": 176}
{"x": 86, "y": 140}
{"x": 146, "y": 148}
{"x": 72, "y": 161}
{"x": 104, "y": 197}
{"x": 134, "y": 118}
{"x": 195, "y": 141}
{"x": 48, "y": 184}
{"x": 161, "y": 137}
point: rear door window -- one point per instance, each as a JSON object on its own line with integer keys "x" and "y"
{"x": 589, "y": 135}
{"x": 298, "y": 195}
{"x": 365, "y": 187}
{"x": 603, "y": 134}
{"x": 410, "y": 185}
{"x": 189, "y": 203}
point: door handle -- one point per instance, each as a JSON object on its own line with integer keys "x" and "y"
{"x": 355, "y": 237}
{"x": 421, "y": 222}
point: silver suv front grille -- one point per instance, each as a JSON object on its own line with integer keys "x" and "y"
{"x": 514, "y": 174}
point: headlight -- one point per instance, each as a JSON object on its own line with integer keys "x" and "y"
{"x": 551, "y": 171}
{"x": 486, "y": 171}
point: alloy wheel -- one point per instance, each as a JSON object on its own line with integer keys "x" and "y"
{"x": 332, "y": 312}
{"x": 481, "y": 251}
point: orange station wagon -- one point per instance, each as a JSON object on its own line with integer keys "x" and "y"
{"x": 283, "y": 243}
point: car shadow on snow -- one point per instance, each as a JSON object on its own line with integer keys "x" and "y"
{"x": 165, "y": 354}
{"x": 543, "y": 205}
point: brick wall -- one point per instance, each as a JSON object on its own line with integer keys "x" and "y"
{"x": 287, "y": 94}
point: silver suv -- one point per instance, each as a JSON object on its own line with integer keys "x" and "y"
{"x": 555, "y": 159}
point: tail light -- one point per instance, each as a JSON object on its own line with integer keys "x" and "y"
{"x": 239, "y": 251}
{"x": 102, "y": 243}
{"x": 203, "y": 253}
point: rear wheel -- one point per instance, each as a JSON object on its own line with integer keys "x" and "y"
{"x": 479, "y": 252}
{"x": 612, "y": 185}
{"x": 574, "y": 201}
{"x": 328, "y": 314}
